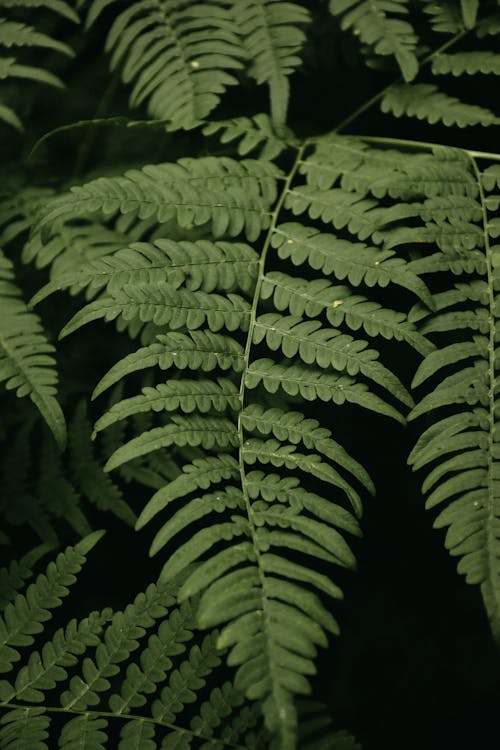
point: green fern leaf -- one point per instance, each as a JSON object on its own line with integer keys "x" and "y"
{"x": 24, "y": 616}
{"x": 378, "y": 23}
{"x": 46, "y": 668}
{"x": 87, "y": 473}
{"x": 293, "y": 427}
{"x": 200, "y": 350}
{"x": 231, "y": 196}
{"x": 326, "y": 348}
{"x": 469, "y": 63}
{"x": 26, "y": 361}
{"x": 445, "y": 16}
{"x": 179, "y": 57}
{"x": 19, "y": 36}
{"x": 161, "y": 304}
{"x": 89, "y": 728}
{"x": 272, "y": 39}
{"x": 334, "y": 255}
{"x": 461, "y": 447}
{"x": 193, "y": 430}
{"x": 14, "y": 34}
{"x": 425, "y": 102}
{"x": 469, "y": 12}
{"x": 185, "y": 395}
{"x": 200, "y": 265}
{"x": 24, "y": 728}
{"x": 253, "y": 133}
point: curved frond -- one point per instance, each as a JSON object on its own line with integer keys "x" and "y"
{"x": 27, "y": 364}
{"x": 459, "y": 449}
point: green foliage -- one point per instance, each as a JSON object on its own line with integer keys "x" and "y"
{"x": 273, "y": 293}
{"x": 16, "y": 37}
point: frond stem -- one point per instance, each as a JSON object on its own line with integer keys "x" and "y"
{"x": 491, "y": 519}
{"x": 248, "y": 347}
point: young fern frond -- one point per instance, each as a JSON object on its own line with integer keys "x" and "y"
{"x": 384, "y": 27}
{"x": 460, "y": 447}
{"x": 16, "y": 36}
{"x": 256, "y": 464}
{"x": 27, "y": 364}
{"x": 179, "y": 56}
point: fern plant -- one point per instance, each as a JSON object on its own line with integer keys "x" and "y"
{"x": 269, "y": 282}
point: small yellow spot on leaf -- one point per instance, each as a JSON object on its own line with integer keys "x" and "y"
{"x": 289, "y": 242}
{"x": 376, "y": 263}
{"x": 195, "y": 64}
{"x": 337, "y": 303}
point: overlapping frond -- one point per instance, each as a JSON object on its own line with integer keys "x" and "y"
{"x": 179, "y": 57}
{"x": 460, "y": 446}
{"x": 74, "y": 672}
{"x": 272, "y": 36}
{"x": 27, "y": 364}
{"x": 384, "y": 27}
{"x": 244, "y": 508}
{"x": 16, "y": 37}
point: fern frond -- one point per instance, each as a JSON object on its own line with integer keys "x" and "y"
{"x": 252, "y": 133}
{"x": 469, "y": 63}
{"x": 460, "y": 448}
{"x": 293, "y": 427}
{"x": 180, "y": 57}
{"x": 311, "y": 298}
{"x": 425, "y": 102}
{"x": 326, "y": 348}
{"x": 200, "y": 265}
{"x": 445, "y": 16}
{"x": 20, "y": 36}
{"x": 93, "y": 694}
{"x": 184, "y": 395}
{"x": 23, "y": 618}
{"x": 230, "y": 196}
{"x": 26, "y": 357}
{"x": 241, "y": 511}
{"x": 272, "y": 38}
{"x": 330, "y": 254}
{"x": 196, "y": 350}
{"x": 382, "y": 25}
{"x": 469, "y": 12}
{"x": 162, "y": 304}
